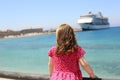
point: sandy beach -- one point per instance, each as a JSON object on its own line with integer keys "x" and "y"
{"x": 27, "y": 32}
{"x": 6, "y": 79}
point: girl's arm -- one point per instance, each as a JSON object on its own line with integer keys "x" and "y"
{"x": 86, "y": 67}
{"x": 50, "y": 66}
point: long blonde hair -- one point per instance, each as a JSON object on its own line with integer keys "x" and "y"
{"x": 65, "y": 39}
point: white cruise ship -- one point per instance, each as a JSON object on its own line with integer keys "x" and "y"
{"x": 92, "y": 21}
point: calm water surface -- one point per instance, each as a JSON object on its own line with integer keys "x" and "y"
{"x": 29, "y": 54}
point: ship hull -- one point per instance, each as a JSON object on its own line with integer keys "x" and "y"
{"x": 93, "y": 27}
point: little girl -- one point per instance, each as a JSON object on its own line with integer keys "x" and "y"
{"x": 65, "y": 57}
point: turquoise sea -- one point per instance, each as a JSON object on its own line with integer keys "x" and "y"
{"x": 29, "y": 54}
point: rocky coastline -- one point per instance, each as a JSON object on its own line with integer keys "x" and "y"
{"x": 24, "y": 33}
{"x": 8, "y": 75}
{"x": 27, "y": 32}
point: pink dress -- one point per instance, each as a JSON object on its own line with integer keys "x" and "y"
{"x": 66, "y": 67}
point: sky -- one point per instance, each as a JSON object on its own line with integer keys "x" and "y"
{"x": 49, "y": 14}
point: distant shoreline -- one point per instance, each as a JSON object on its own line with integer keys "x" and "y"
{"x": 24, "y": 33}
{"x": 27, "y": 33}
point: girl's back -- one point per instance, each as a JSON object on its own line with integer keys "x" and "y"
{"x": 66, "y": 66}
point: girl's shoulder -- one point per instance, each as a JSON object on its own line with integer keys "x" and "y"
{"x": 80, "y": 48}
{"x": 51, "y": 51}
{"x": 53, "y": 48}
{"x": 80, "y": 51}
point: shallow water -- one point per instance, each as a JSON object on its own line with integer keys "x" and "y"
{"x": 29, "y": 54}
